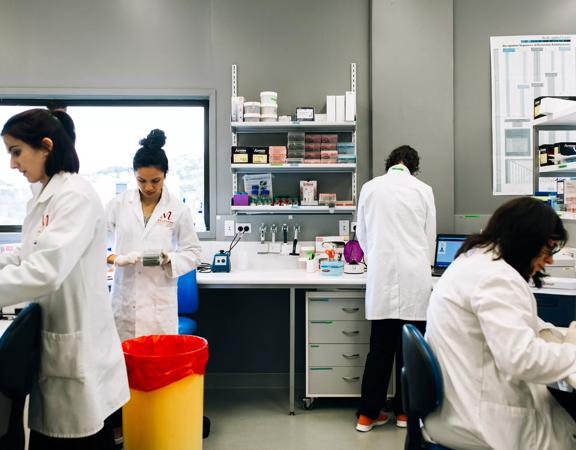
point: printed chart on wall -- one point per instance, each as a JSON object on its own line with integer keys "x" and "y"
{"x": 524, "y": 68}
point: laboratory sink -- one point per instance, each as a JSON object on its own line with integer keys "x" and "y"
{"x": 254, "y": 255}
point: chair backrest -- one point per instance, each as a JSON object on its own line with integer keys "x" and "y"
{"x": 187, "y": 293}
{"x": 424, "y": 387}
{"x": 20, "y": 352}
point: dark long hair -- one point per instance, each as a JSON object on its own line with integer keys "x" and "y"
{"x": 33, "y": 125}
{"x": 151, "y": 154}
{"x": 517, "y": 232}
{"x": 406, "y": 155}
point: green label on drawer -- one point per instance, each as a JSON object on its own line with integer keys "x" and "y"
{"x": 321, "y": 321}
{"x": 314, "y": 346}
{"x": 320, "y": 368}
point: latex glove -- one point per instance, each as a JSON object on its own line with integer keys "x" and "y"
{"x": 549, "y": 336}
{"x": 164, "y": 258}
{"x": 127, "y": 260}
{"x": 571, "y": 334}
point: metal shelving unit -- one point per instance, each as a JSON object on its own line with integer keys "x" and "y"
{"x": 285, "y": 127}
{"x": 559, "y": 121}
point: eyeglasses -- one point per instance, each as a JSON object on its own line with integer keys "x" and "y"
{"x": 552, "y": 249}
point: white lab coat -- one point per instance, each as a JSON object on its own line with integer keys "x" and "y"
{"x": 145, "y": 299}
{"x": 483, "y": 327}
{"x": 61, "y": 265}
{"x": 397, "y": 230}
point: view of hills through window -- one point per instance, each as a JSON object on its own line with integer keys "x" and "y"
{"x": 107, "y": 139}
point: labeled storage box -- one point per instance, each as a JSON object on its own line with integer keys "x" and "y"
{"x": 260, "y": 155}
{"x": 241, "y": 155}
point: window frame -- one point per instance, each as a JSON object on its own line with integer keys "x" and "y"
{"x": 93, "y": 97}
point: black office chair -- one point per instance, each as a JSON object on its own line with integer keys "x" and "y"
{"x": 19, "y": 365}
{"x": 422, "y": 386}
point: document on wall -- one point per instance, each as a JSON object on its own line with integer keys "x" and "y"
{"x": 524, "y": 68}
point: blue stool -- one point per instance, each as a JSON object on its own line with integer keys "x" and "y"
{"x": 187, "y": 302}
{"x": 422, "y": 385}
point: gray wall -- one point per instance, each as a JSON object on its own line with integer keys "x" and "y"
{"x": 474, "y": 22}
{"x": 412, "y": 91}
{"x": 300, "y": 49}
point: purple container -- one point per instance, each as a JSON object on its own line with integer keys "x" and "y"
{"x": 240, "y": 200}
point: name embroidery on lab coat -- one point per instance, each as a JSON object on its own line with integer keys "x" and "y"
{"x": 166, "y": 219}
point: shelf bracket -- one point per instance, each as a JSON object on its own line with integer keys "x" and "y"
{"x": 234, "y": 80}
{"x": 353, "y": 77}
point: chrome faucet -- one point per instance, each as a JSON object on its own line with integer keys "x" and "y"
{"x": 273, "y": 229}
{"x": 295, "y": 241}
{"x": 262, "y": 233}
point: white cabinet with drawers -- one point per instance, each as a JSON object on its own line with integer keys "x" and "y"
{"x": 337, "y": 341}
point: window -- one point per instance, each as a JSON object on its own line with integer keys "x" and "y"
{"x": 107, "y": 136}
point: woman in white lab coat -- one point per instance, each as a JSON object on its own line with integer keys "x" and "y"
{"x": 496, "y": 355}
{"x": 82, "y": 378}
{"x": 397, "y": 230}
{"x": 144, "y": 298}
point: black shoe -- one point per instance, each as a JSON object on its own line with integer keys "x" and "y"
{"x": 205, "y": 427}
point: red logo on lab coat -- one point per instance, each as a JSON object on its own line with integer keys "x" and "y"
{"x": 166, "y": 219}
{"x": 43, "y": 223}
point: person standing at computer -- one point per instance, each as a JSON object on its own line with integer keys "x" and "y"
{"x": 397, "y": 230}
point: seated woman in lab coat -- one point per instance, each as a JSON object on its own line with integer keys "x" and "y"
{"x": 495, "y": 353}
{"x": 144, "y": 298}
{"x": 82, "y": 378}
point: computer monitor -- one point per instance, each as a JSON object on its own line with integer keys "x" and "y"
{"x": 447, "y": 245}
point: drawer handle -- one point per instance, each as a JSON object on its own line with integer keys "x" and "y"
{"x": 351, "y": 379}
{"x": 350, "y": 310}
{"x": 351, "y": 333}
{"x": 351, "y": 356}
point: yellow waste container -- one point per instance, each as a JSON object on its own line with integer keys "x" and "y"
{"x": 166, "y": 377}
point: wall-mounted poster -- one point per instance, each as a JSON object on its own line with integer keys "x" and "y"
{"x": 524, "y": 68}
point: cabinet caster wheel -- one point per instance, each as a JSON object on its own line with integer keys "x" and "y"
{"x": 308, "y": 402}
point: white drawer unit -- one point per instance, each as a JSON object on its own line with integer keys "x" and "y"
{"x": 337, "y": 342}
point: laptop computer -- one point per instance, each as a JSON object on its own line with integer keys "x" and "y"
{"x": 447, "y": 245}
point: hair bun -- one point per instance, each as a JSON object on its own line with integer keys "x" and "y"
{"x": 155, "y": 139}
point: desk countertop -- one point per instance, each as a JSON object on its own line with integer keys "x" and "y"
{"x": 279, "y": 278}
{"x": 299, "y": 277}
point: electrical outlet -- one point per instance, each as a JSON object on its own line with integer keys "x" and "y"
{"x": 353, "y": 227}
{"x": 229, "y": 229}
{"x": 244, "y": 227}
{"x": 343, "y": 227}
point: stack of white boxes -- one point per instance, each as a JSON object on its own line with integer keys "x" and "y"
{"x": 341, "y": 108}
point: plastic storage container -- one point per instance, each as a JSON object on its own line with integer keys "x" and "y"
{"x": 268, "y": 118}
{"x": 269, "y": 97}
{"x": 251, "y": 117}
{"x": 166, "y": 377}
{"x": 331, "y": 268}
{"x": 251, "y": 108}
{"x": 269, "y": 109}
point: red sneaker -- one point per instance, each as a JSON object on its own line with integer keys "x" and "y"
{"x": 366, "y": 424}
{"x": 402, "y": 420}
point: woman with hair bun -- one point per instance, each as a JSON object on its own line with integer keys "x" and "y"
{"x": 149, "y": 218}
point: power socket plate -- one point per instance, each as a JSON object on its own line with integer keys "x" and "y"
{"x": 242, "y": 226}
{"x": 353, "y": 227}
{"x": 343, "y": 227}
